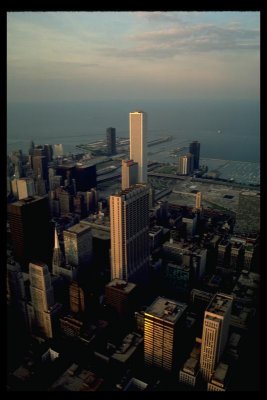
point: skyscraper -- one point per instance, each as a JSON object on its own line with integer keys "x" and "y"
{"x": 31, "y": 234}
{"x": 78, "y": 245}
{"x": 129, "y": 229}
{"x": 42, "y": 296}
{"x": 194, "y": 149}
{"x": 129, "y": 173}
{"x": 111, "y": 141}
{"x": 40, "y": 166}
{"x": 25, "y": 188}
{"x": 186, "y": 163}
{"x": 161, "y": 320}
{"x": 215, "y": 333}
{"x": 138, "y": 143}
{"x": 248, "y": 214}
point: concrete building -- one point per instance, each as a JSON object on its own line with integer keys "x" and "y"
{"x": 138, "y": 143}
{"x": 191, "y": 224}
{"x": 186, "y": 164}
{"x": 111, "y": 141}
{"x": 42, "y": 298}
{"x": 189, "y": 373}
{"x": 25, "y": 188}
{"x": 78, "y": 245}
{"x": 58, "y": 150}
{"x": 121, "y": 296}
{"x": 215, "y": 333}
{"x": 198, "y": 204}
{"x": 77, "y": 379}
{"x": 40, "y": 166}
{"x": 224, "y": 253}
{"x": 194, "y": 149}
{"x": 129, "y": 229}
{"x": 161, "y": 321}
{"x": 129, "y": 173}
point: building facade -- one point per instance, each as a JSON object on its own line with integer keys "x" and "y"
{"x": 138, "y": 143}
{"x": 186, "y": 164}
{"x": 194, "y": 148}
{"x": 129, "y": 228}
{"x": 78, "y": 245}
{"x": 111, "y": 141}
{"x": 129, "y": 173}
{"x": 215, "y": 333}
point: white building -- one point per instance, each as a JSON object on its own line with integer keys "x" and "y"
{"x": 138, "y": 143}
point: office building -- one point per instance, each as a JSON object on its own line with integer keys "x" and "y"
{"x": 78, "y": 245}
{"x": 224, "y": 253}
{"x": 121, "y": 296}
{"x": 58, "y": 150}
{"x": 191, "y": 224}
{"x": 42, "y": 298}
{"x": 194, "y": 148}
{"x": 129, "y": 229}
{"x": 161, "y": 322}
{"x": 111, "y": 141}
{"x": 138, "y": 143}
{"x": 40, "y": 167}
{"x": 85, "y": 177}
{"x": 76, "y": 298}
{"x": 215, "y": 333}
{"x": 48, "y": 152}
{"x": 65, "y": 200}
{"x": 248, "y": 214}
{"x": 186, "y": 164}
{"x": 129, "y": 173}
{"x": 198, "y": 205}
{"x": 25, "y": 188}
{"x": 179, "y": 279}
{"x": 189, "y": 373}
{"x": 31, "y": 233}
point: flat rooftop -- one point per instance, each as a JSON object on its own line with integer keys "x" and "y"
{"x": 166, "y": 309}
{"x": 191, "y": 366}
{"x": 219, "y": 304}
{"x": 121, "y": 285}
{"x": 220, "y": 373}
{"x": 78, "y": 228}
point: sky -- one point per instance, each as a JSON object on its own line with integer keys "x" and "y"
{"x": 87, "y": 56}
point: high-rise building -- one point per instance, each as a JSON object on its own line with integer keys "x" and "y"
{"x": 42, "y": 298}
{"x": 76, "y": 298}
{"x": 40, "y": 166}
{"x": 58, "y": 150}
{"x": 129, "y": 229}
{"x": 186, "y": 163}
{"x": 138, "y": 143}
{"x": 31, "y": 234}
{"x": 198, "y": 205}
{"x": 161, "y": 321}
{"x": 25, "y": 188}
{"x": 129, "y": 173}
{"x": 111, "y": 141}
{"x": 121, "y": 296}
{"x": 194, "y": 148}
{"x": 85, "y": 177}
{"x": 215, "y": 333}
{"x": 248, "y": 214}
{"x": 48, "y": 152}
{"x": 78, "y": 245}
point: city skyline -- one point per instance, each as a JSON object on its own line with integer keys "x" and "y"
{"x": 56, "y": 56}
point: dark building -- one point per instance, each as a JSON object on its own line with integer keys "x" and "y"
{"x": 40, "y": 166}
{"x": 111, "y": 141}
{"x": 194, "y": 148}
{"x": 31, "y": 233}
{"x": 85, "y": 177}
{"x": 121, "y": 296}
{"x": 66, "y": 171}
{"x": 48, "y": 152}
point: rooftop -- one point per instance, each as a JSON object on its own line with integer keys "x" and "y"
{"x": 135, "y": 385}
{"x": 166, "y": 309}
{"x": 121, "y": 285}
{"x": 78, "y": 228}
{"x": 191, "y": 366}
{"x": 219, "y": 304}
{"x": 220, "y": 374}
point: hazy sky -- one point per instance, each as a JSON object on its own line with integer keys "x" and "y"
{"x": 73, "y": 56}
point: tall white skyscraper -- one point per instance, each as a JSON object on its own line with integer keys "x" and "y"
{"x": 215, "y": 333}
{"x": 129, "y": 230}
{"x": 138, "y": 142}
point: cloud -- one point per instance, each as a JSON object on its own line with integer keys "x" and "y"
{"x": 173, "y": 41}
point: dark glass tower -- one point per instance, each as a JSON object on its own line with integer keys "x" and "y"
{"x": 111, "y": 141}
{"x": 194, "y": 149}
